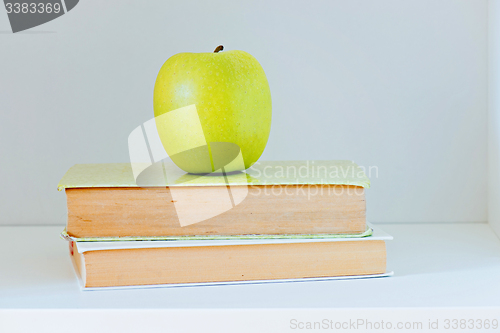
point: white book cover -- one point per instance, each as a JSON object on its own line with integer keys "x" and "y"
{"x": 84, "y": 246}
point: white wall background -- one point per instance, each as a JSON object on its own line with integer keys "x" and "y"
{"x": 494, "y": 115}
{"x": 401, "y": 85}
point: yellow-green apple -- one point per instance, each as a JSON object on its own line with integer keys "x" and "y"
{"x": 227, "y": 93}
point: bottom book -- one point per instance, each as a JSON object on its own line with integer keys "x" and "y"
{"x": 155, "y": 263}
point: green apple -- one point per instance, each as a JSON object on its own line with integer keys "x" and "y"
{"x": 227, "y": 93}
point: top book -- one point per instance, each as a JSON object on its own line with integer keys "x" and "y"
{"x": 160, "y": 200}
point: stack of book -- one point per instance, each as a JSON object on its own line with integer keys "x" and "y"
{"x": 276, "y": 221}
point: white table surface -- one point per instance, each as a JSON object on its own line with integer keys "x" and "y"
{"x": 435, "y": 265}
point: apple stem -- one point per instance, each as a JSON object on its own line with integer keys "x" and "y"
{"x": 218, "y": 48}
